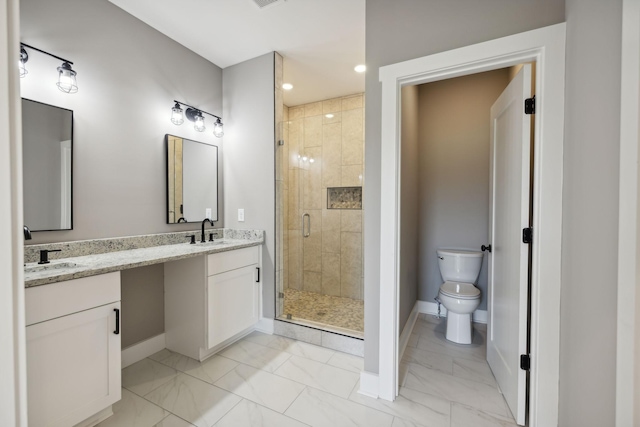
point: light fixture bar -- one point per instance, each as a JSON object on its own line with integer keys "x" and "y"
{"x": 195, "y": 108}
{"x": 45, "y": 52}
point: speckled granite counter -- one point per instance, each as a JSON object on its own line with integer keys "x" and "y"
{"x": 74, "y": 267}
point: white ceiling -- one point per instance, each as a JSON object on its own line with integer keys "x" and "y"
{"x": 321, "y": 40}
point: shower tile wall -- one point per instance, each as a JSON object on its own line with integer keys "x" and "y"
{"x": 323, "y": 152}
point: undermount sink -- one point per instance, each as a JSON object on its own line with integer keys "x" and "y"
{"x": 52, "y": 266}
{"x": 216, "y": 242}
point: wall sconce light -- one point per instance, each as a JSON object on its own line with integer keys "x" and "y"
{"x": 67, "y": 79}
{"x": 176, "y": 115}
{"x": 218, "y": 129}
{"x": 199, "y": 126}
{"x": 66, "y": 75}
{"x": 195, "y": 115}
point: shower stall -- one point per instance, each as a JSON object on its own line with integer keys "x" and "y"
{"x": 319, "y": 181}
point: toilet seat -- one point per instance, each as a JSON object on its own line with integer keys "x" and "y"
{"x": 460, "y": 290}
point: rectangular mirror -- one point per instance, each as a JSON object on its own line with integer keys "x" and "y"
{"x": 192, "y": 180}
{"x": 47, "y": 159}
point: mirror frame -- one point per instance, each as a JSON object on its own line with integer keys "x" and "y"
{"x": 33, "y": 230}
{"x": 215, "y": 218}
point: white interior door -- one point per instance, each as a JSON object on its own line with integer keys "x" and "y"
{"x": 508, "y": 262}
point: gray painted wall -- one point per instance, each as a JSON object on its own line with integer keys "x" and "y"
{"x": 249, "y": 158}
{"x": 407, "y": 29}
{"x": 454, "y": 171}
{"x": 142, "y": 303}
{"x": 409, "y": 182}
{"x": 590, "y": 213}
{"x": 128, "y": 76}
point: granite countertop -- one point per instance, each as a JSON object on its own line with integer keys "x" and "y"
{"x": 91, "y": 265}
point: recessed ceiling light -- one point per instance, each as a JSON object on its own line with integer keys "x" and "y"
{"x": 287, "y": 86}
{"x": 360, "y": 68}
{"x": 329, "y": 116}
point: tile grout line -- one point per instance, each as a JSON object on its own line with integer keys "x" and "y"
{"x": 304, "y": 387}
{"x": 461, "y": 403}
{"x": 230, "y": 409}
{"x": 158, "y": 386}
{"x": 177, "y": 416}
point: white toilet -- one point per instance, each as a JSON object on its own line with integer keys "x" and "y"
{"x": 460, "y": 270}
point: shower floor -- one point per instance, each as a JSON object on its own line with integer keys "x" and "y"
{"x": 342, "y": 315}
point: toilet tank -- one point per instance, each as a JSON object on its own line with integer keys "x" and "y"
{"x": 459, "y": 265}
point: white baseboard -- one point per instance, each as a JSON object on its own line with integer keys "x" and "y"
{"x": 479, "y": 316}
{"x": 146, "y": 348}
{"x": 265, "y": 325}
{"x": 408, "y": 328}
{"x": 369, "y": 384}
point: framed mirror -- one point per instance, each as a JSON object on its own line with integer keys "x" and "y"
{"x": 192, "y": 180}
{"x": 47, "y": 160}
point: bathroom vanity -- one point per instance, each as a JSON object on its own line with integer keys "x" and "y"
{"x": 73, "y": 350}
{"x": 211, "y": 301}
{"x": 212, "y": 298}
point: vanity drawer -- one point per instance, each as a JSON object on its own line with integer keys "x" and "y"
{"x": 231, "y": 260}
{"x": 60, "y": 299}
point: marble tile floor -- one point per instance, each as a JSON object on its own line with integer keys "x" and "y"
{"x": 345, "y": 313}
{"x": 269, "y": 380}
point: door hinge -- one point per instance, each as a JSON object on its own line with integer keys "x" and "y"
{"x": 280, "y": 294}
{"x": 527, "y": 235}
{"x": 525, "y": 362}
{"x": 530, "y": 105}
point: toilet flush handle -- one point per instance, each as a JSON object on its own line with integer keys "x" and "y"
{"x": 486, "y": 248}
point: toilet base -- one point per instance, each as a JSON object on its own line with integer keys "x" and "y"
{"x": 459, "y": 328}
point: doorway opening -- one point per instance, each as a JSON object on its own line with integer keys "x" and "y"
{"x": 546, "y": 47}
{"x": 453, "y": 170}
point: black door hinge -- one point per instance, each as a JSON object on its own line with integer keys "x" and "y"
{"x": 527, "y": 235}
{"x": 525, "y": 362}
{"x": 530, "y": 105}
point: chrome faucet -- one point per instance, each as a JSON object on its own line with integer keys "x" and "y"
{"x": 27, "y": 233}
{"x": 202, "y": 239}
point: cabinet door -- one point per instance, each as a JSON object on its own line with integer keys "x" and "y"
{"x": 73, "y": 366}
{"x": 233, "y": 303}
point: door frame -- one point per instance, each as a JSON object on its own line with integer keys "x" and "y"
{"x": 545, "y": 47}
{"x": 13, "y": 396}
{"x": 628, "y": 320}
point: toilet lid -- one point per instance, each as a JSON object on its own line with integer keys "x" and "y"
{"x": 460, "y": 290}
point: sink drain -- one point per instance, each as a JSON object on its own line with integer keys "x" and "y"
{"x": 321, "y": 313}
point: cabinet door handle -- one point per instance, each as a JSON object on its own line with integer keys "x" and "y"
{"x": 258, "y": 268}
{"x": 117, "y": 331}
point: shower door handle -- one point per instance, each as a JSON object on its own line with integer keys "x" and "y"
{"x": 306, "y": 233}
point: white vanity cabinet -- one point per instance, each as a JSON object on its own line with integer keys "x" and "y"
{"x": 211, "y": 300}
{"x": 73, "y": 351}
